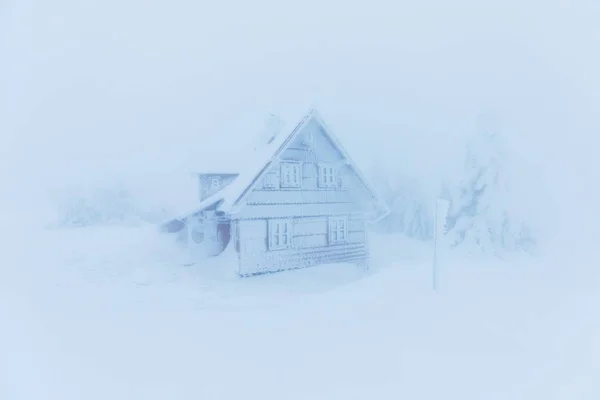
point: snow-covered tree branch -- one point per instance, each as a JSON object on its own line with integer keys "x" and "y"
{"x": 482, "y": 216}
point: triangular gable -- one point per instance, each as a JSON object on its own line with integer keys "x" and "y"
{"x": 245, "y": 186}
{"x": 376, "y": 197}
{"x": 247, "y": 180}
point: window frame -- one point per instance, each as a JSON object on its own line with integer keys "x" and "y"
{"x": 308, "y": 139}
{"x": 337, "y": 229}
{"x": 328, "y": 170}
{"x": 270, "y": 181}
{"x": 215, "y": 183}
{"x": 295, "y": 171}
{"x": 280, "y": 234}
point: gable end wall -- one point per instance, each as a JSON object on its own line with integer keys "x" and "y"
{"x": 308, "y": 207}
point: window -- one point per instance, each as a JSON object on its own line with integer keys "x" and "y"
{"x": 215, "y": 183}
{"x": 338, "y": 230}
{"x": 327, "y": 176}
{"x": 280, "y": 234}
{"x": 291, "y": 175}
{"x": 308, "y": 139}
{"x": 269, "y": 181}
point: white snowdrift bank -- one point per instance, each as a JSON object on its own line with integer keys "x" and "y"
{"x": 111, "y": 313}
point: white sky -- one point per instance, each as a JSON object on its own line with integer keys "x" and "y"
{"x": 138, "y": 87}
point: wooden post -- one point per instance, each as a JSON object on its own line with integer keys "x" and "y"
{"x": 434, "y": 272}
{"x": 440, "y": 213}
{"x": 190, "y": 241}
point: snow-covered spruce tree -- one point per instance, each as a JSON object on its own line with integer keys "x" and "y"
{"x": 484, "y": 215}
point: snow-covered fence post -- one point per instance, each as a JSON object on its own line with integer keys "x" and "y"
{"x": 439, "y": 230}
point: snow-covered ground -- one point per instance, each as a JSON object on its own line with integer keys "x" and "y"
{"x": 111, "y": 313}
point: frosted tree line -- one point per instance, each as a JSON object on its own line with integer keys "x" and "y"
{"x": 108, "y": 204}
{"x": 482, "y": 213}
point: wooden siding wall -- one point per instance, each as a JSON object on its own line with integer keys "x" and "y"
{"x": 309, "y": 245}
{"x": 308, "y": 207}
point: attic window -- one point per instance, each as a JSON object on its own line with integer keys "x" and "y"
{"x": 215, "y": 183}
{"x": 291, "y": 175}
{"x": 327, "y": 175}
{"x": 307, "y": 140}
{"x": 269, "y": 181}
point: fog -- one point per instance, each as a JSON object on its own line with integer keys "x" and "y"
{"x": 141, "y": 90}
{"x": 141, "y": 93}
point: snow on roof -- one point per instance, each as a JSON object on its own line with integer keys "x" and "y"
{"x": 249, "y": 163}
{"x": 261, "y": 159}
{"x": 232, "y": 154}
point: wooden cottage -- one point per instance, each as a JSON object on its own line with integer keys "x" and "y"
{"x": 299, "y": 201}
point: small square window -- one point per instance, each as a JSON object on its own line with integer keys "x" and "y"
{"x": 269, "y": 181}
{"x": 308, "y": 139}
{"x": 215, "y": 183}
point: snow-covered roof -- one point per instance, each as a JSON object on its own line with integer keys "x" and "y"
{"x": 230, "y": 152}
{"x": 249, "y": 163}
{"x": 253, "y": 163}
{"x": 261, "y": 159}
